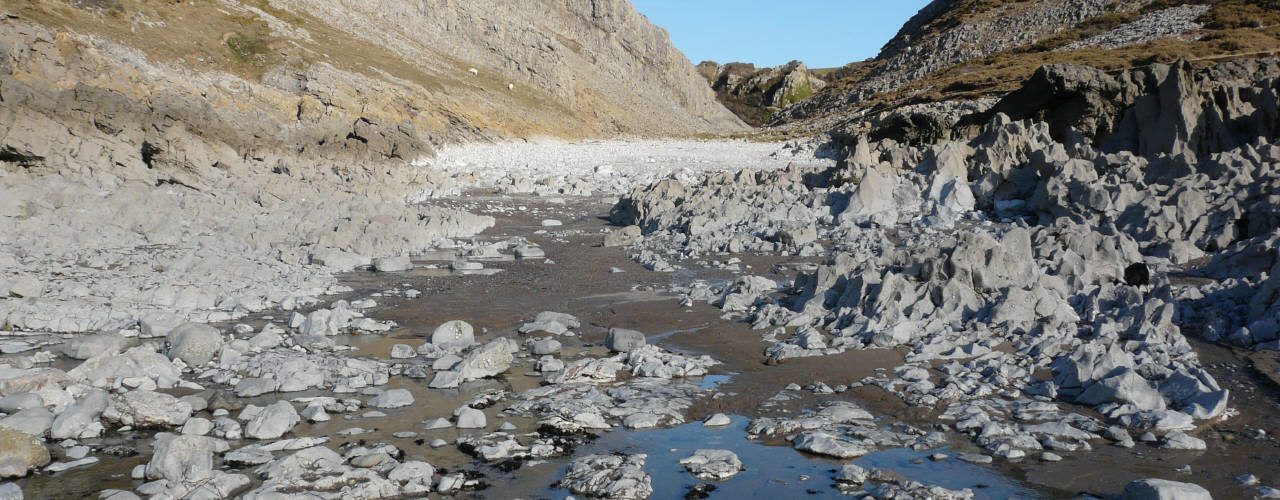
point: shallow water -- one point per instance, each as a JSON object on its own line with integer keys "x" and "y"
{"x": 772, "y": 471}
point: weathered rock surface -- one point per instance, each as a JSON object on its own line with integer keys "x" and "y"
{"x": 609, "y": 476}
{"x": 20, "y": 452}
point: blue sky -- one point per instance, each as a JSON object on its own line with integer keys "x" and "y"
{"x": 822, "y": 33}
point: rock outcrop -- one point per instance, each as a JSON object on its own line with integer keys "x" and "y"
{"x": 1060, "y": 235}
{"x": 755, "y": 95}
{"x": 959, "y": 50}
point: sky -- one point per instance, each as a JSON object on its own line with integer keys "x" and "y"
{"x": 822, "y": 33}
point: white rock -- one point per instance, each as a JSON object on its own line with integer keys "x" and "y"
{"x": 1162, "y": 489}
{"x": 394, "y": 398}
{"x": 272, "y": 422}
{"x": 470, "y": 418}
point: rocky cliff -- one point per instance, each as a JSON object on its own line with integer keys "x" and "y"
{"x": 971, "y": 50}
{"x": 755, "y": 94}
{"x": 324, "y": 85}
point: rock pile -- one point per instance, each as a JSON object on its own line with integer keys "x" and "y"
{"x": 1028, "y": 269}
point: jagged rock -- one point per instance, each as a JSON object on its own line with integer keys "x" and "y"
{"x": 551, "y": 322}
{"x": 713, "y": 464}
{"x": 609, "y": 476}
{"x": 470, "y": 418}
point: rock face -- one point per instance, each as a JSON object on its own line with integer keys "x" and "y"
{"x": 1177, "y": 109}
{"x": 756, "y": 94}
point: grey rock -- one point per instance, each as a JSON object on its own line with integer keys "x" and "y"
{"x": 1162, "y": 489}
{"x": 194, "y": 343}
{"x": 713, "y": 464}
{"x": 272, "y": 422}
{"x": 398, "y": 263}
{"x": 393, "y": 398}
{"x": 623, "y": 340}
{"x": 470, "y": 418}
{"x": 454, "y": 333}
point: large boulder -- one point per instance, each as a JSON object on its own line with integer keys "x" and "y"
{"x": 20, "y": 452}
{"x": 194, "y": 343}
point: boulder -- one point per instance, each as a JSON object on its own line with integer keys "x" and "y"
{"x": 181, "y": 458}
{"x": 148, "y": 409}
{"x": 623, "y": 340}
{"x": 20, "y": 452}
{"x": 392, "y": 264}
{"x": 272, "y": 422}
{"x": 456, "y": 334}
{"x": 194, "y": 343}
{"x": 470, "y": 418}
{"x": 33, "y": 421}
{"x": 487, "y": 360}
